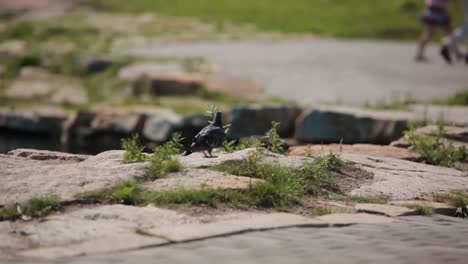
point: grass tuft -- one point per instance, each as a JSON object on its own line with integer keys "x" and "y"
{"x": 133, "y": 150}
{"x": 163, "y": 160}
{"x": 433, "y": 150}
{"x": 127, "y": 192}
{"x": 458, "y": 199}
{"x": 35, "y": 207}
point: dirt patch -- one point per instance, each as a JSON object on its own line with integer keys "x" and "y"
{"x": 349, "y": 178}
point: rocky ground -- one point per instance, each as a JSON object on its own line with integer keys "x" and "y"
{"x": 89, "y": 228}
{"x": 69, "y": 84}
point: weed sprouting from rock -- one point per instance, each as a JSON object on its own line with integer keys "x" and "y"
{"x": 163, "y": 160}
{"x": 433, "y": 150}
{"x": 275, "y": 141}
{"x": 133, "y": 150}
{"x": 35, "y": 207}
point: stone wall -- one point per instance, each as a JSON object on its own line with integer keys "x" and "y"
{"x": 96, "y": 131}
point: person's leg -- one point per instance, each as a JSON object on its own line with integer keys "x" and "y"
{"x": 426, "y": 36}
{"x": 446, "y": 50}
{"x": 460, "y": 35}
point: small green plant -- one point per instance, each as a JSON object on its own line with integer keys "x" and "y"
{"x": 359, "y": 199}
{"x": 458, "y": 199}
{"x": 276, "y": 143}
{"x": 163, "y": 160}
{"x": 244, "y": 143}
{"x": 35, "y": 207}
{"x": 433, "y": 150}
{"x": 127, "y": 192}
{"x": 316, "y": 176}
{"x": 424, "y": 210}
{"x": 133, "y": 150}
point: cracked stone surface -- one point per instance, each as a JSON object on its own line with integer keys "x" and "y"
{"x": 414, "y": 239}
{"x": 113, "y": 228}
{"x": 22, "y": 178}
{"x": 385, "y": 209}
{"x": 401, "y": 179}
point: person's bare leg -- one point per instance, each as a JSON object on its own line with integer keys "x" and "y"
{"x": 425, "y": 38}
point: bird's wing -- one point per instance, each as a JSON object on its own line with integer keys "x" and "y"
{"x": 213, "y": 136}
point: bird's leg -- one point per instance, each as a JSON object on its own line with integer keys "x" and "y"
{"x": 211, "y": 155}
{"x": 204, "y": 154}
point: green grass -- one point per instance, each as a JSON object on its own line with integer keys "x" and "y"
{"x": 281, "y": 188}
{"x": 432, "y": 149}
{"x": 35, "y": 207}
{"x": 460, "y": 98}
{"x": 397, "y": 19}
{"x": 133, "y": 150}
{"x": 163, "y": 161}
{"x": 457, "y": 198}
{"x": 359, "y": 199}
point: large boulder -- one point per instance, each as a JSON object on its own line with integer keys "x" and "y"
{"x": 159, "y": 128}
{"x": 257, "y": 120}
{"x": 349, "y": 126}
{"x": 92, "y": 132}
{"x": 24, "y": 176}
{"x": 39, "y": 128}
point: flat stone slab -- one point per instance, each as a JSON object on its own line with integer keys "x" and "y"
{"x": 114, "y": 228}
{"x": 197, "y": 160}
{"x": 384, "y": 209}
{"x": 349, "y": 219}
{"x": 439, "y": 208}
{"x": 235, "y": 224}
{"x": 404, "y": 180}
{"x": 363, "y": 149}
{"x": 22, "y": 178}
{"x": 47, "y": 156}
{"x": 201, "y": 179}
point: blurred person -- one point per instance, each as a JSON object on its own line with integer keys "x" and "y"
{"x": 452, "y": 43}
{"x": 435, "y": 16}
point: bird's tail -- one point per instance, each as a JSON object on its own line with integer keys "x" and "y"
{"x": 187, "y": 152}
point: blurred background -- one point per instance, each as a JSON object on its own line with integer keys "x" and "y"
{"x": 79, "y": 76}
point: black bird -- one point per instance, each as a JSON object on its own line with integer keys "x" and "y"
{"x": 210, "y": 137}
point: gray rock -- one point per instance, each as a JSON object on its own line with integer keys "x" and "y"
{"x": 401, "y": 179}
{"x": 94, "y": 132}
{"x": 115, "y": 228}
{"x": 197, "y": 160}
{"x": 22, "y": 178}
{"x": 24, "y": 128}
{"x": 159, "y": 128}
{"x": 350, "y": 126}
{"x": 201, "y": 179}
{"x": 47, "y": 155}
{"x": 256, "y": 120}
